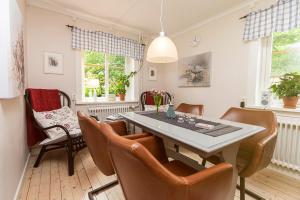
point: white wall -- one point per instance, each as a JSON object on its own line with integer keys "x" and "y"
{"x": 46, "y": 32}
{"x": 231, "y": 61}
{"x": 13, "y": 146}
{"x": 150, "y": 84}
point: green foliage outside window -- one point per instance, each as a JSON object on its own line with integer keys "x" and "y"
{"x": 116, "y": 69}
{"x": 285, "y": 53}
{"x": 95, "y": 69}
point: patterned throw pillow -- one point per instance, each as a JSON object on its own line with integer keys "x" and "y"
{"x": 63, "y": 116}
{"x": 152, "y": 107}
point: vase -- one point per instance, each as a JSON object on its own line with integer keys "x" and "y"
{"x": 290, "y": 102}
{"x": 171, "y": 112}
{"x": 157, "y": 108}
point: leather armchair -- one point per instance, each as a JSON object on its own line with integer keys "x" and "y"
{"x": 255, "y": 153}
{"x": 97, "y": 144}
{"x": 190, "y": 108}
{"x": 145, "y": 172}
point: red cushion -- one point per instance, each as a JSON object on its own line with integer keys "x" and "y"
{"x": 44, "y": 100}
{"x": 41, "y": 100}
{"x": 149, "y": 99}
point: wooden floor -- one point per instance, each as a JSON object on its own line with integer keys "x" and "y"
{"x": 50, "y": 181}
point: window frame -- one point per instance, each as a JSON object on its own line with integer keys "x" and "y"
{"x": 264, "y": 71}
{"x": 130, "y": 65}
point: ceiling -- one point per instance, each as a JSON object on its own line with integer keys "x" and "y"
{"x": 144, "y": 14}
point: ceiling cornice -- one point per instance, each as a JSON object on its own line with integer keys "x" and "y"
{"x": 54, "y": 7}
{"x": 249, "y": 3}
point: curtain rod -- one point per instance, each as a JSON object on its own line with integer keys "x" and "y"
{"x": 245, "y": 16}
{"x": 70, "y": 26}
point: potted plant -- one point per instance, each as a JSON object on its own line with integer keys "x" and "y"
{"x": 288, "y": 89}
{"x": 122, "y": 82}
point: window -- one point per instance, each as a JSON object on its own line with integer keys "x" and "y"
{"x": 101, "y": 72}
{"x": 280, "y": 55}
{"x": 285, "y": 53}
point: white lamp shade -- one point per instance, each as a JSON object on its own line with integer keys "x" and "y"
{"x": 162, "y": 50}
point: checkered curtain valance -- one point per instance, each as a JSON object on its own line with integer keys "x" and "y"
{"x": 107, "y": 43}
{"x": 283, "y": 16}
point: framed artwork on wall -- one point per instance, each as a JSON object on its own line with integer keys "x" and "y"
{"x": 194, "y": 71}
{"x": 152, "y": 74}
{"x": 12, "y": 76}
{"x": 53, "y": 63}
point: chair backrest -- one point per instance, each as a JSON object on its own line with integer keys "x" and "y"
{"x": 142, "y": 176}
{"x": 96, "y": 141}
{"x": 147, "y": 99}
{"x": 190, "y": 108}
{"x": 260, "y": 147}
{"x": 41, "y": 100}
{"x": 46, "y": 99}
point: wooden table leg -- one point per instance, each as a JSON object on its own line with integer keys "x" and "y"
{"x": 229, "y": 155}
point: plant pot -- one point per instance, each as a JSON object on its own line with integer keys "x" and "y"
{"x": 290, "y": 102}
{"x": 122, "y": 97}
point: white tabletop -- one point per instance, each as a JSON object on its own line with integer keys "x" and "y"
{"x": 200, "y": 141}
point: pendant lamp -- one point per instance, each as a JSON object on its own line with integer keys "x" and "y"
{"x": 162, "y": 49}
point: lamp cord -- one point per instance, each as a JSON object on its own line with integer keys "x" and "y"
{"x": 161, "y": 15}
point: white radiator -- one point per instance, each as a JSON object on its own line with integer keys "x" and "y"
{"x": 287, "y": 150}
{"x": 103, "y": 111}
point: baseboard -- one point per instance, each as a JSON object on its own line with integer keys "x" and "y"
{"x": 22, "y": 178}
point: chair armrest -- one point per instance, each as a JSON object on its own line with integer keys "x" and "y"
{"x": 211, "y": 183}
{"x": 119, "y": 127}
{"x": 136, "y": 136}
{"x": 57, "y": 126}
{"x": 155, "y": 146}
{"x": 261, "y": 156}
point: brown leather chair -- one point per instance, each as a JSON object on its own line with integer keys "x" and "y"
{"x": 145, "y": 172}
{"x": 97, "y": 144}
{"x": 190, "y": 108}
{"x": 255, "y": 153}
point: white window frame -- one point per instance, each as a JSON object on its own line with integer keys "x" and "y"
{"x": 132, "y": 91}
{"x": 264, "y": 74}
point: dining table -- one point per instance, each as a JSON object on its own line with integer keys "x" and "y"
{"x": 209, "y": 137}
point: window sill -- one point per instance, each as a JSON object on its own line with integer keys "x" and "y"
{"x": 276, "y": 108}
{"x": 103, "y": 102}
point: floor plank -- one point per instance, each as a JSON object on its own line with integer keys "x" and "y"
{"x": 51, "y": 181}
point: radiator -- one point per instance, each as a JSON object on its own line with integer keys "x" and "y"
{"x": 287, "y": 150}
{"x": 103, "y": 111}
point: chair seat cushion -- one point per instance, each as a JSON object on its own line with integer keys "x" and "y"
{"x": 178, "y": 168}
{"x": 63, "y": 116}
{"x": 62, "y": 137}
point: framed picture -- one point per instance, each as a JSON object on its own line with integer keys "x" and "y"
{"x": 152, "y": 74}
{"x": 53, "y": 63}
{"x": 194, "y": 71}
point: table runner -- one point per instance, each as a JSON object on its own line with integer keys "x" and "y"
{"x": 218, "y": 130}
